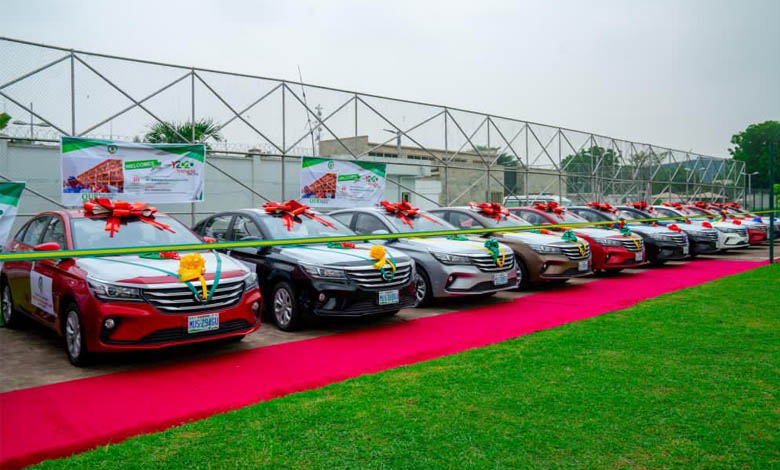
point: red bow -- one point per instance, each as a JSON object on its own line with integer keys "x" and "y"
{"x": 602, "y": 206}
{"x": 550, "y": 206}
{"x": 706, "y": 225}
{"x": 736, "y": 221}
{"x": 701, "y": 205}
{"x": 493, "y": 210}
{"x": 674, "y": 228}
{"x": 404, "y": 211}
{"x": 642, "y": 206}
{"x": 115, "y": 211}
{"x": 292, "y": 209}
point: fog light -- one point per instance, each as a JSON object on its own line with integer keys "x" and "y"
{"x": 608, "y": 255}
{"x": 321, "y": 298}
{"x": 255, "y": 307}
{"x": 109, "y": 323}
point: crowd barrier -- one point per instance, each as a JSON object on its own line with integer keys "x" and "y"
{"x": 97, "y": 252}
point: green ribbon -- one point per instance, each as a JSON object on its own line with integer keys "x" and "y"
{"x": 388, "y": 274}
{"x": 625, "y": 231}
{"x": 569, "y": 236}
{"x": 491, "y": 244}
{"x": 192, "y": 288}
{"x": 338, "y": 246}
{"x": 457, "y": 237}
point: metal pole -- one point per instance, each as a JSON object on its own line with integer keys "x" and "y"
{"x": 192, "y": 135}
{"x": 284, "y": 135}
{"x": 446, "y": 163}
{"x": 487, "y": 164}
{"x": 32, "y": 122}
{"x": 771, "y": 203}
{"x": 72, "y": 95}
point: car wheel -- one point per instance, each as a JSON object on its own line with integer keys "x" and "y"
{"x": 73, "y": 334}
{"x": 422, "y": 289}
{"x": 10, "y": 318}
{"x": 284, "y": 307}
{"x": 523, "y": 279}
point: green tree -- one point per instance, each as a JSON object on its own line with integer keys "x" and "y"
{"x": 751, "y": 146}
{"x": 166, "y": 133}
{"x": 4, "y": 119}
{"x": 580, "y": 166}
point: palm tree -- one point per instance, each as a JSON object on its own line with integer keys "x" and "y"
{"x": 4, "y": 118}
{"x": 166, "y": 133}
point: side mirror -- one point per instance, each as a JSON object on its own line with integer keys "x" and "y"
{"x": 209, "y": 240}
{"x": 50, "y": 246}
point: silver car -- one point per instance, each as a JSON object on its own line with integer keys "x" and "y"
{"x": 446, "y": 267}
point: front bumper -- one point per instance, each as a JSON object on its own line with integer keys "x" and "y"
{"x": 456, "y": 280}
{"x": 140, "y": 326}
{"x": 347, "y": 300}
{"x": 660, "y": 250}
{"x": 727, "y": 240}
{"x": 552, "y": 267}
{"x": 756, "y": 236}
{"x": 615, "y": 257}
{"x": 703, "y": 246}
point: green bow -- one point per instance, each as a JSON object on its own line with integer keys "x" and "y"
{"x": 625, "y": 231}
{"x": 491, "y": 244}
{"x": 569, "y": 236}
{"x": 457, "y": 237}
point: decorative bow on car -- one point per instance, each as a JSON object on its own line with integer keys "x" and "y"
{"x": 292, "y": 209}
{"x": 569, "y": 236}
{"x": 706, "y": 224}
{"x": 701, "y": 205}
{"x": 676, "y": 205}
{"x": 642, "y": 206}
{"x": 117, "y": 211}
{"x": 602, "y": 206}
{"x": 499, "y": 257}
{"x": 404, "y": 211}
{"x": 550, "y": 206}
{"x": 383, "y": 260}
{"x": 493, "y": 210}
{"x": 674, "y": 228}
{"x": 192, "y": 267}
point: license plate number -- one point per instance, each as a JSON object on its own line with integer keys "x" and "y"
{"x": 207, "y": 322}
{"x": 583, "y": 266}
{"x": 499, "y": 279}
{"x": 387, "y": 297}
{"x": 638, "y": 256}
{"x": 685, "y": 250}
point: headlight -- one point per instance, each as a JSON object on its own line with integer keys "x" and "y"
{"x": 608, "y": 241}
{"x": 665, "y": 237}
{"x": 106, "y": 291}
{"x": 546, "y": 249}
{"x": 323, "y": 272}
{"x": 251, "y": 281}
{"x": 448, "y": 258}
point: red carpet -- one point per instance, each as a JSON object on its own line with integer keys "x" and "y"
{"x": 61, "y": 419}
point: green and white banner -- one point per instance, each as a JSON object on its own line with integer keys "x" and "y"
{"x": 335, "y": 183}
{"x": 10, "y": 193}
{"x": 153, "y": 173}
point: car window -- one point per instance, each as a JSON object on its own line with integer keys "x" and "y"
{"x": 588, "y": 215}
{"x": 35, "y": 229}
{"x": 532, "y": 217}
{"x": 344, "y": 217}
{"x": 369, "y": 223}
{"x": 55, "y": 233}
{"x": 245, "y": 227}
{"x": 217, "y": 227}
{"x": 20, "y": 234}
{"x": 462, "y": 220}
{"x": 666, "y": 212}
{"x": 629, "y": 214}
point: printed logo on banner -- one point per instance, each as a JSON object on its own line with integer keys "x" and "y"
{"x": 337, "y": 183}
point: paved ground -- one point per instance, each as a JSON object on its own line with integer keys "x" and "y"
{"x": 34, "y": 356}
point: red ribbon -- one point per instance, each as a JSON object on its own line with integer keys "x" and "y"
{"x": 642, "y": 206}
{"x": 292, "y": 209}
{"x": 493, "y": 210}
{"x": 675, "y": 228}
{"x": 404, "y": 211}
{"x": 736, "y": 221}
{"x": 115, "y": 211}
{"x": 676, "y": 205}
{"x": 550, "y": 206}
{"x": 602, "y": 206}
{"x": 701, "y": 205}
{"x": 706, "y": 225}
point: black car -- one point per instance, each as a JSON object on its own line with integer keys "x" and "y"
{"x": 297, "y": 281}
{"x": 661, "y": 243}
{"x": 702, "y": 239}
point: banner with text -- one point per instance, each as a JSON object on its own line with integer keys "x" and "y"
{"x": 338, "y": 184}
{"x": 153, "y": 173}
{"x": 10, "y": 193}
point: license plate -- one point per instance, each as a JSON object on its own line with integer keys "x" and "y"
{"x": 638, "y": 256}
{"x": 583, "y": 265}
{"x": 387, "y": 297}
{"x": 685, "y": 250}
{"x": 499, "y": 279}
{"x": 207, "y": 322}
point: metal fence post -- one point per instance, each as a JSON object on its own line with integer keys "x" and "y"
{"x": 446, "y": 162}
{"x": 284, "y": 136}
{"x": 771, "y": 203}
{"x": 192, "y": 134}
{"x": 72, "y": 96}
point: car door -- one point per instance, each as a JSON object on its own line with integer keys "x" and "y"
{"x": 216, "y": 227}
{"x": 244, "y": 228}
{"x": 18, "y": 272}
{"x": 46, "y": 277}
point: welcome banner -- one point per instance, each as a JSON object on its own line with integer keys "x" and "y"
{"x": 10, "y": 193}
{"x": 154, "y": 173}
{"x": 340, "y": 184}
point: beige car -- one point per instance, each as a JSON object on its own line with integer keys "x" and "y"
{"x": 540, "y": 257}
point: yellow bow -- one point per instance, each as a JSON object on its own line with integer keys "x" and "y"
{"x": 192, "y": 267}
{"x": 379, "y": 253}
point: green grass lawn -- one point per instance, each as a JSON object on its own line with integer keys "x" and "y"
{"x": 686, "y": 380}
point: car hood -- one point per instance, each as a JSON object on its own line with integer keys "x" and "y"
{"x": 321, "y": 255}
{"x": 445, "y": 245}
{"x": 597, "y": 232}
{"x": 650, "y": 230}
{"x": 533, "y": 238}
{"x": 136, "y": 270}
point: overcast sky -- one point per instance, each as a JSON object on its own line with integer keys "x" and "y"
{"x": 684, "y": 74}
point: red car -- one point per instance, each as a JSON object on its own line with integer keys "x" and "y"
{"x": 130, "y": 302}
{"x": 611, "y": 250}
{"x": 757, "y": 231}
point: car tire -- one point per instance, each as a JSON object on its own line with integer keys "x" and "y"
{"x": 425, "y": 297}
{"x": 524, "y": 280}
{"x": 10, "y": 318}
{"x": 284, "y": 307}
{"x": 73, "y": 336}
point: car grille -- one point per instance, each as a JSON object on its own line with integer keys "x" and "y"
{"x": 181, "y": 300}
{"x": 488, "y": 264}
{"x": 573, "y": 251}
{"x": 371, "y": 278}
{"x": 677, "y": 239}
{"x": 711, "y": 234}
{"x": 630, "y": 245}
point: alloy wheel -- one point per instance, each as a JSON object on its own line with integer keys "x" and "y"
{"x": 73, "y": 334}
{"x": 421, "y": 290}
{"x": 283, "y": 307}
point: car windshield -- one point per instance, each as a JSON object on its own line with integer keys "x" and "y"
{"x": 664, "y": 212}
{"x": 419, "y": 223}
{"x": 573, "y": 218}
{"x": 304, "y": 227}
{"x": 697, "y": 211}
{"x": 90, "y": 232}
{"x": 632, "y": 214}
